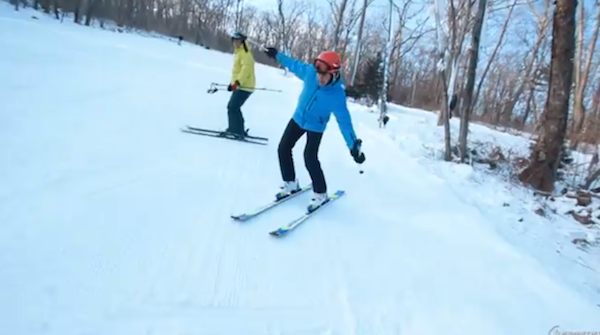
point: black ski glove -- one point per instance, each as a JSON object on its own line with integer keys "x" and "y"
{"x": 271, "y": 52}
{"x": 234, "y": 86}
{"x": 357, "y": 153}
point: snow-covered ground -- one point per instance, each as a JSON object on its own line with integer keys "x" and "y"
{"x": 114, "y": 222}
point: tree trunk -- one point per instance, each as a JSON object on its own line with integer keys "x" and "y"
{"x": 46, "y": 6}
{"x": 386, "y": 64}
{"x": 578, "y": 112}
{"x": 541, "y": 172}
{"x": 414, "y": 89}
{"x": 77, "y": 11}
{"x": 282, "y": 27}
{"x": 455, "y": 52}
{"x": 442, "y": 43}
{"x": 56, "y": 7}
{"x": 90, "y": 11}
{"x": 359, "y": 41}
{"x": 530, "y": 105}
{"x": 338, "y": 24}
{"x": 582, "y": 74}
{"x": 471, "y": 71}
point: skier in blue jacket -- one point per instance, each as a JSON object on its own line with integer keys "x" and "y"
{"x": 322, "y": 94}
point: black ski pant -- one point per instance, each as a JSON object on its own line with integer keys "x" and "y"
{"x": 290, "y": 136}
{"x": 234, "y": 111}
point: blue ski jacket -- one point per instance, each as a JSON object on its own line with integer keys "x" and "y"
{"x": 316, "y": 102}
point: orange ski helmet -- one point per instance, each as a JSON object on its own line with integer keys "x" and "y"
{"x": 328, "y": 62}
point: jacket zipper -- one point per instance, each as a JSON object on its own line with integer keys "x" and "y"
{"x": 312, "y": 101}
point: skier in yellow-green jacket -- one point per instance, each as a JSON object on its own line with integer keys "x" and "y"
{"x": 242, "y": 83}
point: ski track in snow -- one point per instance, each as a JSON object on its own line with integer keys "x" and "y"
{"x": 115, "y": 222}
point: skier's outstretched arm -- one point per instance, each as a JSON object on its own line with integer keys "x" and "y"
{"x": 299, "y": 68}
{"x": 342, "y": 115}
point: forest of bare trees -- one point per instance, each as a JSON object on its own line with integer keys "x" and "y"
{"x": 499, "y": 57}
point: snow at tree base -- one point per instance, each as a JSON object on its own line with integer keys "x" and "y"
{"x": 113, "y": 221}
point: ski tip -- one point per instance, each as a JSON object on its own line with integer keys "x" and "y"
{"x": 242, "y": 217}
{"x": 338, "y": 193}
{"x": 279, "y": 232}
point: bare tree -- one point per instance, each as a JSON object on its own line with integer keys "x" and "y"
{"x": 289, "y": 20}
{"x": 458, "y": 19}
{"x": 405, "y": 38}
{"x": 282, "y": 30}
{"x": 541, "y": 172}
{"x": 543, "y": 22}
{"x": 446, "y": 61}
{"x": 386, "y": 63}
{"x": 357, "y": 49}
{"x": 492, "y": 57}
{"x": 338, "y": 10}
{"x": 468, "y": 96}
{"x": 350, "y": 20}
{"x": 239, "y": 11}
{"x": 582, "y": 73}
{"x": 312, "y": 29}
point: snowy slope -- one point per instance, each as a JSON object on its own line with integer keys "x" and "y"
{"x": 114, "y": 222}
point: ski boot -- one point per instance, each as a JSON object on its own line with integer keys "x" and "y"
{"x": 225, "y": 133}
{"x": 288, "y": 188}
{"x": 318, "y": 200}
{"x": 234, "y": 134}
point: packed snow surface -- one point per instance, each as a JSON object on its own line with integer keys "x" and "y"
{"x": 112, "y": 221}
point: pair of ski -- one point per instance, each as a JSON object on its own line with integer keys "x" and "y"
{"x": 226, "y": 135}
{"x": 285, "y": 229}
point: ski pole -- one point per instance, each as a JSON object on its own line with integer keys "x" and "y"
{"x": 214, "y": 87}
{"x": 256, "y": 44}
{"x": 267, "y": 89}
{"x": 359, "y": 147}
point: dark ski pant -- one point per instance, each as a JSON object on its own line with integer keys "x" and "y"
{"x": 385, "y": 121}
{"x": 234, "y": 112}
{"x": 291, "y": 135}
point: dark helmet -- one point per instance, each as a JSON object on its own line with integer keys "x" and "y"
{"x": 238, "y": 36}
